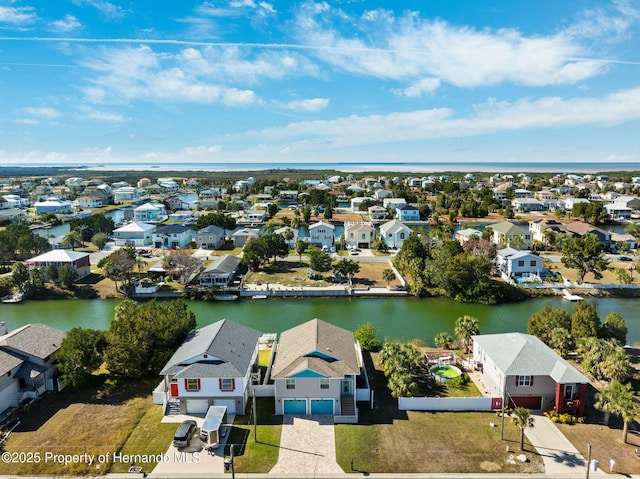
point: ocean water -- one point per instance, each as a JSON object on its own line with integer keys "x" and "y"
{"x": 354, "y": 167}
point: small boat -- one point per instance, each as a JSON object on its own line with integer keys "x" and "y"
{"x": 225, "y": 297}
{"x": 12, "y": 298}
{"x": 259, "y": 296}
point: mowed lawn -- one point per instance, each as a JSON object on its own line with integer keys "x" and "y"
{"x": 97, "y": 421}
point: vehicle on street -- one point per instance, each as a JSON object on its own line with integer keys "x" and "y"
{"x": 624, "y": 258}
{"x": 184, "y": 433}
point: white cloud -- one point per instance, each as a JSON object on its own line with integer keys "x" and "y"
{"x": 409, "y": 47}
{"x": 310, "y": 104}
{"x": 17, "y": 15}
{"x": 68, "y": 23}
{"x": 108, "y": 9}
{"x": 42, "y": 112}
{"x": 417, "y": 89}
{"x": 27, "y": 121}
{"x": 89, "y": 113}
{"x": 490, "y": 117}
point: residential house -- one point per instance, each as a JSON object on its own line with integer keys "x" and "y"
{"x": 578, "y": 228}
{"x": 618, "y": 211}
{"x": 377, "y": 213}
{"x": 221, "y": 271}
{"x": 172, "y": 236}
{"x": 357, "y": 202}
{"x": 149, "y": 212}
{"x": 288, "y": 229}
{"x": 466, "y": 234}
{"x": 211, "y": 237}
{"x": 393, "y": 233}
{"x": 525, "y": 370}
{"x": 213, "y": 367}
{"x": 628, "y": 240}
{"x": 631, "y": 202}
{"x": 288, "y": 196}
{"x": 255, "y": 216}
{"x": 515, "y": 263}
{"x": 134, "y": 234}
{"x": 538, "y": 228}
{"x": 143, "y": 183}
{"x": 125, "y": 193}
{"x": 28, "y": 366}
{"x": 393, "y": 203}
{"x": 242, "y": 236}
{"x": 569, "y": 203}
{"x": 505, "y": 233}
{"x": 13, "y": 201}
{"x": 315, "y": 370}
{"x": 53, "y": 205}
{"x": 407, "y": 213}
{"x": 60, "y": 257}
{"x": 87, "y": 202}
{"x": 359, "y": 235}
{"x": 322, "y": 234}
{"x": 527, "y": 204}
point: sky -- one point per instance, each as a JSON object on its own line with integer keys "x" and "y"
{"x": 154, "y": 81}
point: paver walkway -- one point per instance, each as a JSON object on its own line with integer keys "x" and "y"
{"x": 307, "y": 445}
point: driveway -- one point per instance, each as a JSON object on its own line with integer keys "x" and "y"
{"x": 559, "y": 456}
{"x": 193, "y": 459}
{"x": 307, "y": 444}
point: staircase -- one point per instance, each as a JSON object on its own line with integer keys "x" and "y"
{"x": 347, "y": 406}
{"x": 17, "y": 399}
{"x": 173, "y": 407}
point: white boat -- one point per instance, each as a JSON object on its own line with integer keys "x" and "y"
{"x": 259, "y": 296}
{"x": 571, "y": 297}
{"x": 13, "y": 298}
{"x": 225, "y": 297}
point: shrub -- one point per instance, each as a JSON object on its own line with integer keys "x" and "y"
{"x": 459, "y": 382}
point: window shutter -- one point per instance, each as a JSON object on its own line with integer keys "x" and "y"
{"x": 186, "y": 384}
{"x": 220, "y": 383}
{"x": 517, "y": 378}
{"x": 531, "y": 381}
{"x": 233, "y": 384}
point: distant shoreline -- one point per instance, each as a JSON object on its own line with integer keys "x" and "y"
{"x": 402, "y": 168}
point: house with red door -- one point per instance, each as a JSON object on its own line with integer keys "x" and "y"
{"x": 213, "y": 367}
{"x": 528, "y": 373}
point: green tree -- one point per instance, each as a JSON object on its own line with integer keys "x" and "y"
{"x": 118, "y": 266}
{"x": 254, "y": 254}
{"x": 181, "y": 264}
{"x": 443, "y": 340}
{"x": 388, "y": 275}
{"x": 347, "y": 268}
{"x": 301, "y": 247}
{"x": 67, "y": 276}
{"x": 615, "y": 328}
{"x": 275, "y": 245}
{"x": 560, "y": 339}
{"x": 306, "y": 213}
{"x": 367, "y": 335}
{"x": 522, "y": 419}
{"x": 100, "y": 240}
{"x": 72, "y": 239}
{"x": 585, "y": 322}
{"x": 272, "y": 209}
{"x": 319, "y": 260}
{"x": 618, "y": 399}
{"x": 604, "y": 359}
{"x": 81, "y": 353}
{"x": 584, "y": 254}
{"x": 19, "y": 275}
{"x": 217, "y": 219}
{"x": 542, "y": 323}
{"x": 466, "y": 326}
{"x": 143, "y": 337}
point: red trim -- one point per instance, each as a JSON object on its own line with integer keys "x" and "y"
{"x": 186, "y": 385}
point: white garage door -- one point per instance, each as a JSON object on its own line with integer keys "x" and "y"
{"x": 197, "y": 406}
{"x": 230, "y": 403}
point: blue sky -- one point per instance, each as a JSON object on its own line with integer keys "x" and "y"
{"x": 95, "y": 82}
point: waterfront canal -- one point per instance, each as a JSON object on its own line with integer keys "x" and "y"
{"x": 396, "y": 318}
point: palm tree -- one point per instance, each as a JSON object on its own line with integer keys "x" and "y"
{"x": 466, "y": 326}
{"x": 388, "y": 275}
{"x": 617, "y": 398}
{"x": 522, "y": 418}
{"x": 71, "y": 240}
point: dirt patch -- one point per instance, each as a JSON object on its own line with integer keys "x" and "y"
{"x": 490, "y": 466}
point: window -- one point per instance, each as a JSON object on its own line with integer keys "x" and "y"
{"x": 532, "y": 262}
{"x": 401, "y": 235}
{"x": 192, "y": 384}
{"x": 291, "y": 383}
{"x": 521, "y": 262}
{"x": 324, "y": 383}
{"x": 524, "y": 381}
{"x": 227, "y": 384}
{"x": 568, "y": 391}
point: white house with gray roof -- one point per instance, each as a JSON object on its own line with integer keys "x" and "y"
{"x": 28, "y": 366}
{"x": 315, "y": 371}
{"x": 393, "y": 233}
{"x": 213, "y": 367}
{"x": 528, "y": 372}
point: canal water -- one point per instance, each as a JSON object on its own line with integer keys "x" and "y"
{"x": 395, "y": 318}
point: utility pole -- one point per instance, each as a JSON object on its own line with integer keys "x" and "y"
{"x": 233, "y": 466}
{"x": 255, "y": 417}
{"x": 588, "y": 458}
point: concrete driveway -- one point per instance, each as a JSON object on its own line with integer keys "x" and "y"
{"x": 307, "y": 445}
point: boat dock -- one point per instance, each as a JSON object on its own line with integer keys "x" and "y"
{"x": 570, "y": 297}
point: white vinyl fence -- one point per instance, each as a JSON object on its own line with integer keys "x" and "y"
{"x": 445, "y": 404}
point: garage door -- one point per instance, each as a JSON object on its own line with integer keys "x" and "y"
{"x": 230, "y": 403}
{"x": 197, "y": 406}
{"x": 295, "y": 406}
{"x": 530, "y": 402}
{"x": 322, "y": 406}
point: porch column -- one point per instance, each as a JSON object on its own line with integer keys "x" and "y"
{"x": 582, "y": 396}
{"x": 559, "y": 397}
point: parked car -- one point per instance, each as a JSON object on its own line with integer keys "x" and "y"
{"x": 184, "y": 433}
{"x": 624, "y": 258}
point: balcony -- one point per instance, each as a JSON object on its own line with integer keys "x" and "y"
{"x": 570, "y": 404}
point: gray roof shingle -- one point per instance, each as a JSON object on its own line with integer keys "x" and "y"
{"x": 37, "y": 340}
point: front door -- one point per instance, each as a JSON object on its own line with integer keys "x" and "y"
{"x": 346, "y": 387}
{"x": 174, "y": 390}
